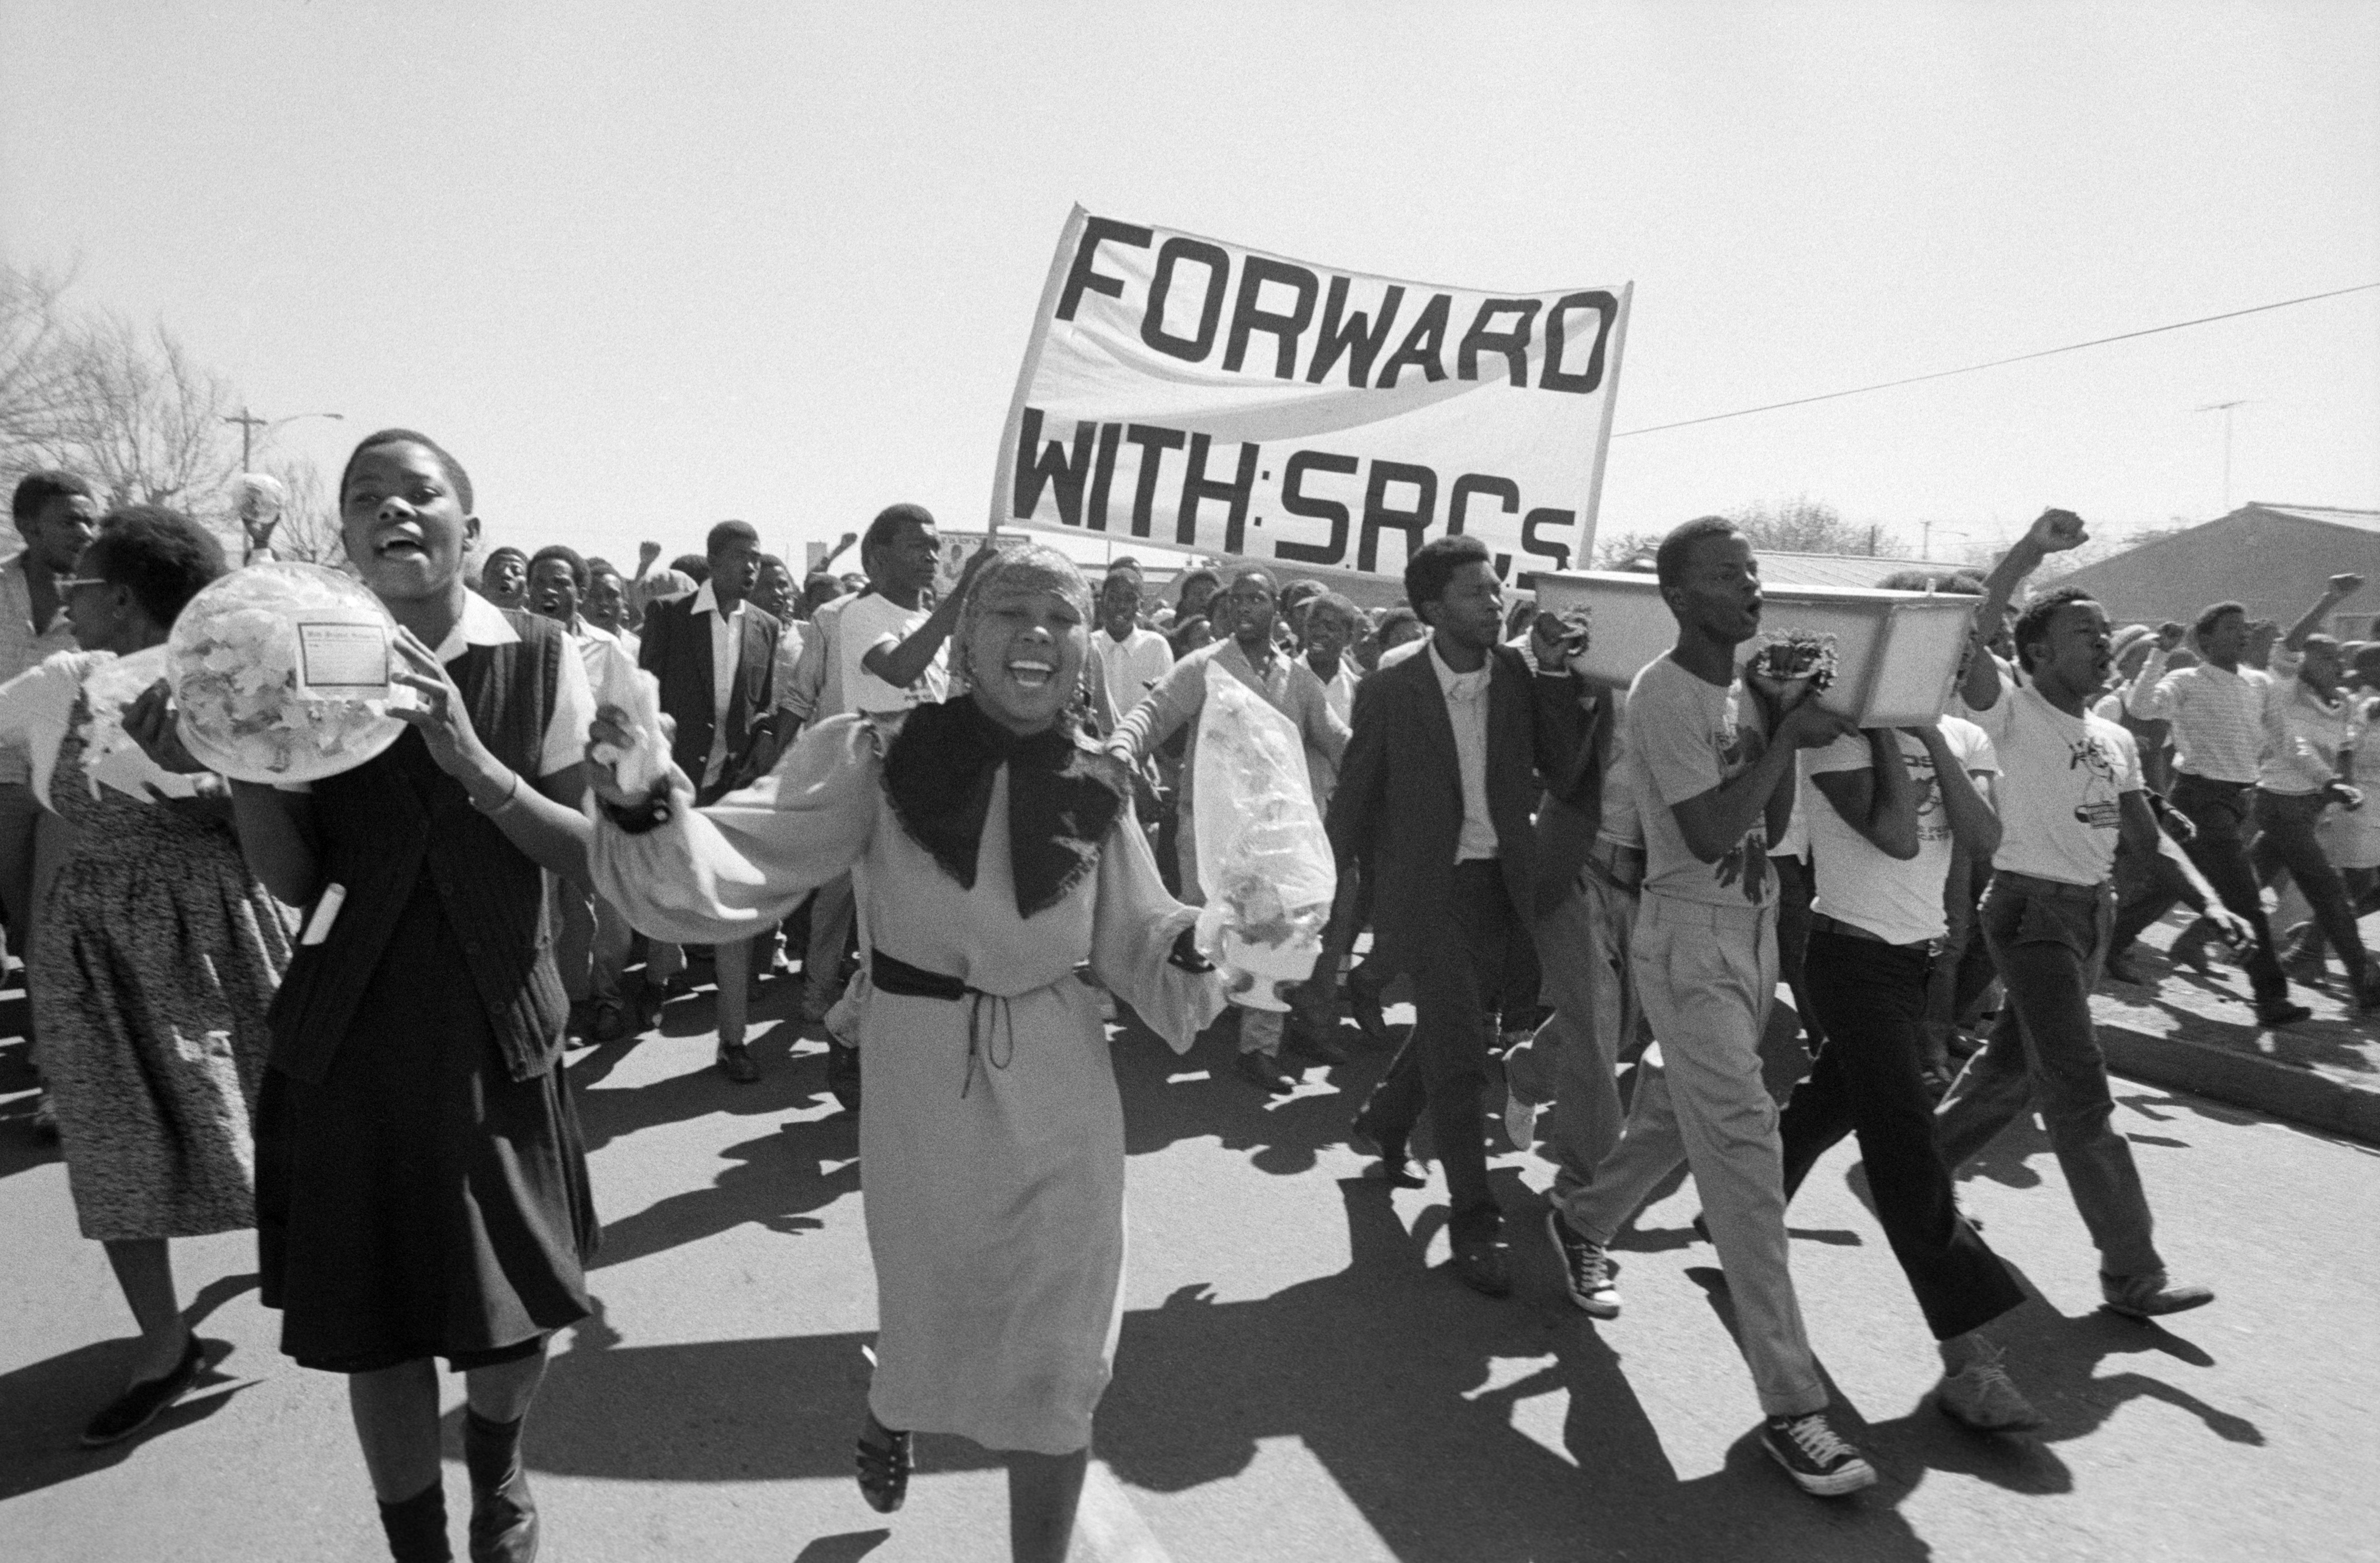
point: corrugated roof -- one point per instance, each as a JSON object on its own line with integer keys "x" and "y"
{"x": 1841, "y": 569}
{"x": 2362, "y": 520}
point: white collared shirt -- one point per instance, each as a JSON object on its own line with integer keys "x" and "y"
{"x": 564, "y": 744}
{"x": 1132, "y": 667}
{"x": 23, "y": 645}
{"x": 611, "y": 663}
{"x": 1467, "y": 707}
{"x": 726, "y": 647}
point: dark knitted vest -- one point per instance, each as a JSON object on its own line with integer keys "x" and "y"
{"x": 385, "y": 824}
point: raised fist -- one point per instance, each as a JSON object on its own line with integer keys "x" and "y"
{"x": 2345, "y": 585}
{"x": 2054, "y": 531}
{"x": 2170, "y": 635}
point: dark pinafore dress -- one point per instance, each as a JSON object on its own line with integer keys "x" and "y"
{"x": 421, "y": 1183}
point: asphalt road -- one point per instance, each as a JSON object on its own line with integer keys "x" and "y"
{"x": 1299, "y": 1379}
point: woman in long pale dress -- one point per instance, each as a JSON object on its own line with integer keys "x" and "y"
{"x": 994, "y": 857}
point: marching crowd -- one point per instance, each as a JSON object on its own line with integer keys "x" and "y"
{"x": 337, "y": 1012}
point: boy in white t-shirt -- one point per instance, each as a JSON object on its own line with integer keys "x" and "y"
{"x": 1131, "y": 658}
{"x": 1711, "y": 767}
{"x": 2070, "y": 783}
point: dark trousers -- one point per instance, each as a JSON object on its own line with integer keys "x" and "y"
{"x": 1870, "y": 999}
{"x": 1964, "y": 973}
{"x": 2146, "y": 890}
{"x": 2049, "y": 940}
{"x": 1795, "y": 890}
{"x": 2219, "y": 809}
{"x": 2285, "y": 839}
{"x": 1458, "y": 977}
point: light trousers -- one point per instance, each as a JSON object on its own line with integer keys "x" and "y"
{"x": 1707, "y": 975}
{"x": 1596, "y": 1025}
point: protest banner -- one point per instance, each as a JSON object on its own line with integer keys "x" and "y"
{"x": 1203, "y": 395}
{"x": 953, "y": 549}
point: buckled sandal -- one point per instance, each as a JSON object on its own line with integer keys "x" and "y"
{"x": 884, "y": 1470}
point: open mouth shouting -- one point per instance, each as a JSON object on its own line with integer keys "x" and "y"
{"x": 403, "y": 541}
{"x": 1031, "y": 672}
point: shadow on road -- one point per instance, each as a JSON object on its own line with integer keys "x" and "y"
{"x": 44, "y": 1405}
{"x": 773, "y": 1182}
{"x": 1400, "y": 1383}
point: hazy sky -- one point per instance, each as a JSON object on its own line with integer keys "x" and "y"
{"x": 645, "y": 266}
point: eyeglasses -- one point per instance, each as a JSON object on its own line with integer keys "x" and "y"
{"x": 65, "y": 584}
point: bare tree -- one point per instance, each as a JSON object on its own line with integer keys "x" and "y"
{"x": 1615, "y": 551}
{"x": 36, "y": 380}
{"x": 146, "y": 423}
{"x": 309, "y": 524}
{"x": 1803, "y": 525}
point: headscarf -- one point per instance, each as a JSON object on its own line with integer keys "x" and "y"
{"x": 1063, "y": 798}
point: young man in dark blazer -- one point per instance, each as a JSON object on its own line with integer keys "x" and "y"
{"x": 1450, "y": 747}
{"x": 715, "y": 654}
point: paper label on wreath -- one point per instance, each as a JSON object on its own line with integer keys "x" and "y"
{"x": 343, "y": 658}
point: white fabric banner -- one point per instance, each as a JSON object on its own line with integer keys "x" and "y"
{"x": 1207, "y": 396}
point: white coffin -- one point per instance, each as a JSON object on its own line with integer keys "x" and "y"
{"x": 1898, "y": 651}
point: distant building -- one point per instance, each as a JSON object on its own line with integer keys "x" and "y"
{"x": 2275, "y": 558}
{"x": 1779, "y": 568}
{"x": 1848, "y": 569}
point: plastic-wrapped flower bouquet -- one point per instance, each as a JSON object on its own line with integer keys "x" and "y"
{"x": 281, "y": 672}
{"x": 1791, "y": 660}
{"x": 1263, "y": 858}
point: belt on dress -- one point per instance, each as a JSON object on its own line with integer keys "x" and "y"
{"x": 988, "y": 1014}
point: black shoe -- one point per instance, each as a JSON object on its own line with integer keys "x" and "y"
{"x": 138, "y": 1406}
{"x": 2150, "y": 1296}
{"x": 1484, "y": 1265}
{"x": 2119, "y": 968}
{"x": 2272, "y": 1012}
{"x": 504, "y": 1517}
{"x": 1819, "y": 1459}
{"x": 1308, "y": 1042}
{"x": 735, "y": 1063}
{"x": 1264, "y": 1072}
{"x": 884, "y": 1470}
{"x": 843, "y": 1075}
{"x": 1586, "y": 1268}
{"x": 1364, "y": 1003}
{"x": 1393, "y": 1169}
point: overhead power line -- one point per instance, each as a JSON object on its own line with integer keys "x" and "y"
{"x": 1995, "y": 363}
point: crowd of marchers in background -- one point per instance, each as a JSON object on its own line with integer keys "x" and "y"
{"x": 963, "y": 813}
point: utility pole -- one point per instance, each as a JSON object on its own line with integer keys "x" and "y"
{"x": 2225, "y": 408}
{"x": 1925, "y": 537}
{"x": 250, "y": 423}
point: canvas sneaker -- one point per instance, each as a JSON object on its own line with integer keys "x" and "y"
{"x": 1981, "y": 1397}
{"x": 1814, "y": 1455}
{"x": 1585, "y": 1268}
